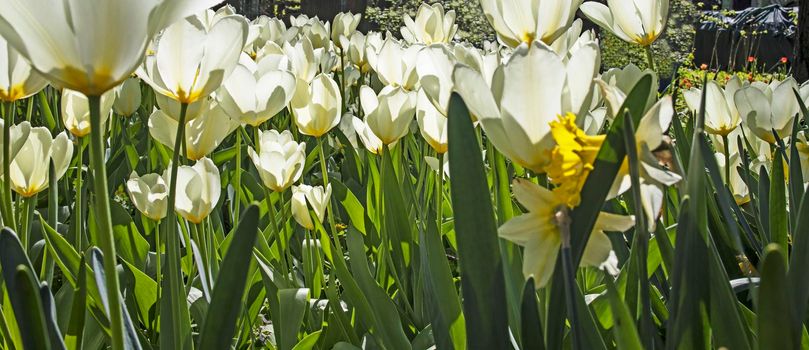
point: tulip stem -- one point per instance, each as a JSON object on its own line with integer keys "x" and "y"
{"x": 25, "y": 223}
{"x": 727, "y": 160}
{"x": 8, "y": 214}
{"x": 562, "y": 219}
{"x": 650, "y": 57}
{"x": 104, "y": 220}
{"x": 237, "y": 179}
{"x": 158, "y": 275}
{"x": 77, "y": 207}
{"x": 329, "y": 211}
{"x": 439, "y": 194}
{"x": 174, "y": 319}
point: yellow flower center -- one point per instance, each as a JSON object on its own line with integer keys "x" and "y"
{"x": 571, "y": 159}
{"x": 527, "y": 38}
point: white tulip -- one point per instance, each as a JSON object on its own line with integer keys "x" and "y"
{"x": 434, "y": 67}
{"x": 127, "y": 97}
{"x": 89, "y": 46}
{"x": 634, "y": 21}
{"x": 202, "y": 135}
{"x": 523, "y": 21}
{"x": 29, "y": 173}
{"x": 721, "y": 116}
{"x": 18, "y": 79}
{"x": 432, "y": 123}
{"x": 388, "y": 115}
{"x": 527, "y": 94}
{"x": 395, "y": 65}
{"x": 301, "y": 59}
{"x": 344, "y": 25}
{"x": 190, "y": 61}
{"x": 316, "y": 106}
{"x": 76, "y": 111}
{"x": 198, "y": 190}
{"x": 149, "y": 194}
{"x": 616, "y": 83}
{"x": 371, "y": 142}
{"x": 305, "y": 197}
{"x": 280, "y": 159}
{"x": 432, "y": 25}
{"x": 253, "y": 97}
{"x": 772, "y": 109}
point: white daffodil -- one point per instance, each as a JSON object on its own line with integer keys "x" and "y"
{"x": 29, "y": 173}
{"x": 279, "y": 160}
{"x": 305, "y": 197}
{"x": 344, "y": 26}
{"x": 768, "y": 110}
{"x": 653, "y": 177}
{"x": 253, "y": 97}
{"x": 526, "y": 94}
{"x": 127, "y": 97}
{"x": 432, "y": 25}
{"x": 395, "y": 65}
{"x": 388, "y": 115}
{"x": 192, "y": 61}
{"x": 634, "y": 21}
{"x": 721, "y": 116}
{"x": 434, "y": 67}
{"x": 76, "y": 111}
{"x": 539, "y": 234}
{"x": 432, "y": 123}
{"x": 89, "y": 46}
{"x": 316, "y": 106}
{"x": 523, "y": 21}
{"x": 198, "y": 190}
{"x": 149, "y": 193}
{"x": 202, "y": 135}
{"x": 18, "y": 79}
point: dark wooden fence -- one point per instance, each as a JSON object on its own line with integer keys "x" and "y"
{"x": 325, "y": 9}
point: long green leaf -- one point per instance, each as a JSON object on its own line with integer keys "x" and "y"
{"x": 774, "y": 308}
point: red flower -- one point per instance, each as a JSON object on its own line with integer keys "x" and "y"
{"x": 783, "y": 60}
{"x": 751, "y": 59}
{"x": 703, "y": 66}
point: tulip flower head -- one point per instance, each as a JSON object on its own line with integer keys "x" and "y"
{"x": 524, "y": 21}
{"x": 538, "y": 233}
{"x": 191, "y": 61}
{"x": 18, "y": 79}
{"x": 772, "y": 108}
{"x": 279, "y": 160}
{"x": 80, "y": 45}
{"x": 721, "y": 115}
{"x": 29, "y": 173}
{"x": 253, "y": 97}
{"x": 634, "y": 21}
{"x": 202, "y": 135}
{"x": 316, "y": 106}
{"x": 305, "y": 197}
{"x": 395, "y": 65}
{"x": 388, "y": 115}
{"x": 344, "y": 26}
{"x": 127, "y": 97}
{"x": 76, "y": 111}
{"x": 432, "y": 123}
{"x": 149, "y": 194}
{"x": 432, "y": 25}
{"x": 198, "y": 190}
{"x": 18, "y": 137}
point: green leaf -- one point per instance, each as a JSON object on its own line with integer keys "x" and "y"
{"x": 352, "y": 206}
{"x": 131, "y": 341}
{"x": 293, "y": 302}
{"x": 530, "y": 322}
{"x": 798, "y": 274}
{"x": 774, "y": 307}
{"x": 308, "y": 342}
{"x": 626, "y": 335}
{"x": 482, "y": 276}
{"x": 75, "y": 329}
{"x": 220, "y": 322}
{"x": 779, "y": 221}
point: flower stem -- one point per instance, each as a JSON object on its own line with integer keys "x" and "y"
{"x": 726, "y": 152}
{"x": 77, "y": 206}
{"x": 8, "y": 214}
{"x": 650, "y": 57}
{"x": 439, "y": 194}
{"x": 158, "y": 275}
{"x": 562, "y": 219}
{"x": 329, "y": 210}
{"x": 104, "y": 217}
{"x": 237, "y": 179}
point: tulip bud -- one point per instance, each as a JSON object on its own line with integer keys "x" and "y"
{"x": 198, "y": 190}
{"x": 127, "y": 97}
{"x": 149, "y": 194}
{"x": 280, "y": 159}
{"x": 432, "y": 123}
{"x": 315, "y": 197}
{"x": 76, "y": 111}
{"x": 29, "y": 173}
{"x": 317, "y": 105}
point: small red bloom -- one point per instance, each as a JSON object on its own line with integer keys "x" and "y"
{"x": 751, "y": 59}
{"x": 783, "y": 60}
{"x": 703, "y": 66}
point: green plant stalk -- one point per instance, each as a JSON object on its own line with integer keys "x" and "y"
{"x": 329, "y": 210}
{"x": 158, "y": 276}
{"x": 650, "y": 56}
{"x": 274, "y": 231}
{"x": 727, "y": 159}
{"x": 439, "y": 194}
{"x": 77, "y": 207}
{"x": 237, "y": 179}
{"x": 104, "y": 217}
{"x": 53, "y": 206}
{"x": 8, "y": 214}
{"x": 25, "y": 222}
{"x": 177, "y": 316}
{"x": 562, "y": 220}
